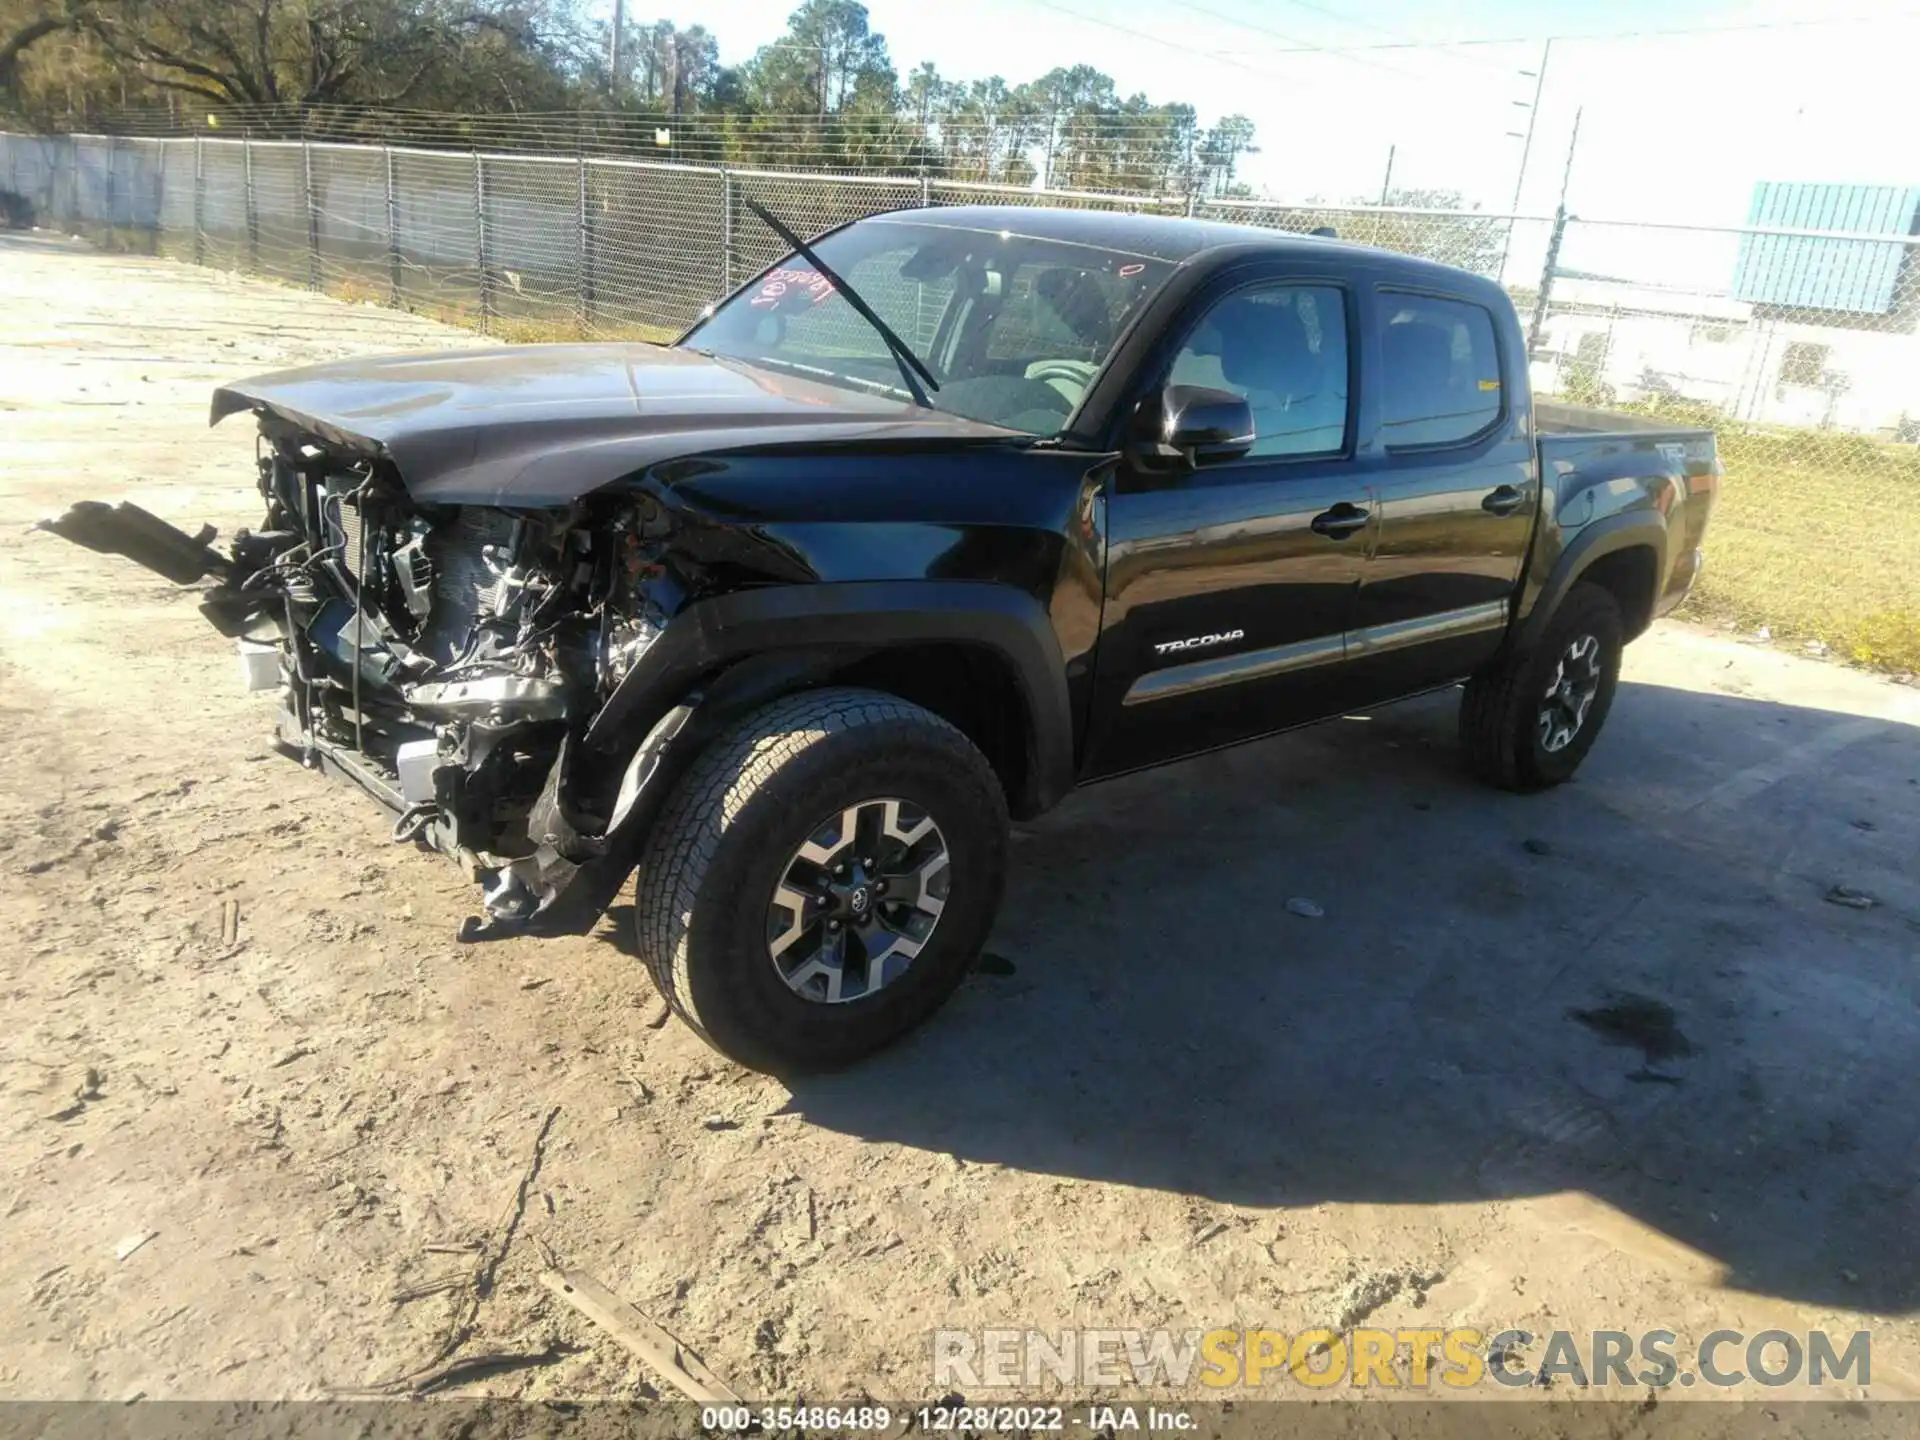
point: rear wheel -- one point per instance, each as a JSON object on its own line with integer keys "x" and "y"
{"x": 1528, "y": 722}
{"x": 821, "y": 878}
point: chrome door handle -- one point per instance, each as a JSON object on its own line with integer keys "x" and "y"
{"x": 1504, "y": 501}
{"x": 1340, "y": 522}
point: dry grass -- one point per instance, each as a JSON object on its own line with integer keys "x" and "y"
{"x": 554, "y": 328}
{"x": 1817, "y": 536}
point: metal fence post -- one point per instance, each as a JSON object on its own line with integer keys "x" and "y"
{"x": 112, "y": 216}
{"x": 726, "y": 231}
{"x": 480, "y": 241}
{"x": 393, "y": 232}
{"x": 313, "y": 216}
{"x": 1547, "y": 272}
{"x": 252, "y": 203}
{"x": 926, "y": 189}
{"x": 199, "y": 201}
{"x": 583, "y": 280}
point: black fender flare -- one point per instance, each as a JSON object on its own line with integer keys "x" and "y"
{"x": 788, "y": 635}
{"x": 1593, "y": 541}
{"x": 720, "y": 658}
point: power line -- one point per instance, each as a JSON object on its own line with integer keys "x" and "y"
{"x": 1668, "y": 33}
{"x": 1283, "y": 35}
{"x": 1339, "y": 18}
{"x": 1215, "y": 56}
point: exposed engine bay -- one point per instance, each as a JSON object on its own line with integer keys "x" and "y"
{"x": 448, "y": 658}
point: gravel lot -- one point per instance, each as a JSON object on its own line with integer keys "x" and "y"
{"x": 237, "y": 1021}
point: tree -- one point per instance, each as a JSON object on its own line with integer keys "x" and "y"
{"x": 23, "y": 27}
{"x": 1090, "y": 138}
{"x": 825, "y": 94}
{"x": 673, "y": 71}
{"x": 985, "y": 132}
{"x": 1473, "y": 242}
{"x": 1067, "y": 102}
{"x": 829, "y": 59}
{"x": 270, "y": 52}
{"x": 1220, "y": 153}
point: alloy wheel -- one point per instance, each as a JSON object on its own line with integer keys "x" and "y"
{"x": 1576, "y": 680}
{"x": 857, "y": 901}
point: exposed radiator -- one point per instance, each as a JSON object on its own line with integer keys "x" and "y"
{"x": 345, "y": 527}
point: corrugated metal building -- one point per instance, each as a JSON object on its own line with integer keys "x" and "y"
{"x": 1873, "y": 284}
{"x": 1813, "y": 331}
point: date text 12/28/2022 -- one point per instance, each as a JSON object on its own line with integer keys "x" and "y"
{"x": 946, "y": 1419}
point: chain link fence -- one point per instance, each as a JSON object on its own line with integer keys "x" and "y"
{"x": 1800, "y": 348}
{"x": 1798, "y": 344}
{"x": 546, "y": 246}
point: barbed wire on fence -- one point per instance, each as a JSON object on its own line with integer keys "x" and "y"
{"x": 1063, "y": 149}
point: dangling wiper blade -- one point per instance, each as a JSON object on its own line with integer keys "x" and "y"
{"x": 909, "y": 363}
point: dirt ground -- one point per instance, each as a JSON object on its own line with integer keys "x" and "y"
{"x": 237, "y": 1022}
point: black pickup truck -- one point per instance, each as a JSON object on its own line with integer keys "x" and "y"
{"x": 941, "y": 516}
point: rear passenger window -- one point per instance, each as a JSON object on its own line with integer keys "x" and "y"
{"x": 1441, "y": 371}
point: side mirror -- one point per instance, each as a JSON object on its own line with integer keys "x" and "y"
{"x": 1196, "y": 426}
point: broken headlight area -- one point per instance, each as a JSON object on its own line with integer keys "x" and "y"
{"x": 447, "y": 659}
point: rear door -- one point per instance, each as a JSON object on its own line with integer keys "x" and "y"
{"x": 1456, "y": 488}
{"x": 1230, "y": 587}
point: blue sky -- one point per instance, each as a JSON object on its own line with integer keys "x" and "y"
{"x": 1674, "y": 126}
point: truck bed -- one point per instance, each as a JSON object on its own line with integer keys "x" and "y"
{"x": 1552, "y": 417}
{"x": 1595, "y": 456}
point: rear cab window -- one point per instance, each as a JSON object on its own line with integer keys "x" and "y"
{"x": 1440, "y": 371}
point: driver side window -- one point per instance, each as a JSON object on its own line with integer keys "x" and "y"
{"x": 1283, "y": 348}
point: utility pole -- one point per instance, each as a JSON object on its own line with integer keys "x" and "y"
{"x": 1533, "y": 116}
{"x": 1573, "y": 144}
{"x": 1526, "y": 145}
{"x": 613, "y": 48}
{"x": 1386, "y": 190}
{"x": 1551, "y": 269}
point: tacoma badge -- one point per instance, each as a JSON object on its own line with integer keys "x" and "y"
{"x": 1198, "y": 642}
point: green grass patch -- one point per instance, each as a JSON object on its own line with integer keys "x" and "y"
{"x": 1817, "y": 536}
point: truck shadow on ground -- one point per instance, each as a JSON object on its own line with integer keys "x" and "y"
{"x": 1631, "y": 986}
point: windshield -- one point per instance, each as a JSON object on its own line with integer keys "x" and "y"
{"x": 1013, "y": 328}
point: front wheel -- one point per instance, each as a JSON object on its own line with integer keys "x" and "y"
{"x": 821, "y": 878}
{"x": 1528, "y": 721}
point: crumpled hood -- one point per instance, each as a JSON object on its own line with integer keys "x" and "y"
{"x": 540, "y": 425}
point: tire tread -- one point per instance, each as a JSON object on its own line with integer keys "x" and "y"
{"x": 720, "y": 784}
{"x": 1494, "y": 741}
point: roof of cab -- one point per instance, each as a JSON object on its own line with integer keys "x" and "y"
{"x": 1152, "y": 237}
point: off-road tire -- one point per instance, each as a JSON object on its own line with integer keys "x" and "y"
{"x": 1499, "y": 713}
{"x": 719, "y": 846}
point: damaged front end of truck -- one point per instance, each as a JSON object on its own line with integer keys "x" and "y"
{"x": 465, "y": 568}
{"x": 446, "y": 658}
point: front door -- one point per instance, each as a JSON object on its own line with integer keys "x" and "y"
{"x": 1230, "y": 586}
